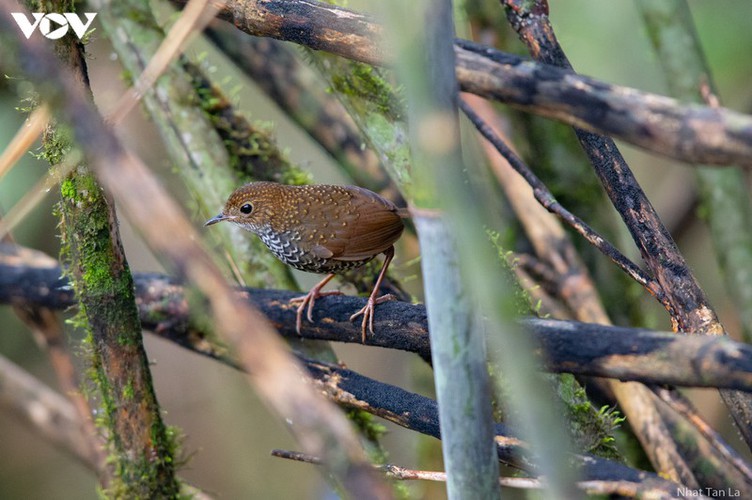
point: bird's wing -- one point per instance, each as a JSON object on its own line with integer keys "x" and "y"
{"x": 367, "y": 226}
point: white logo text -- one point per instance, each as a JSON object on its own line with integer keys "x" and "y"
{"x": 53, "y": 25}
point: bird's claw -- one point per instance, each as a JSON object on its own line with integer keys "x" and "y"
{"x": 368, "y": 312}
{"x": 308, "y": 300}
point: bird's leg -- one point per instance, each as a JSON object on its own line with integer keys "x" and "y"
{"x": 309, "y": 299}
{"x": 368, "y": 310}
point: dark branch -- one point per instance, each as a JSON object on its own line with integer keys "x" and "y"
{"x": 647, "y": 120}
{"x": 546, "y": 198}
{"x": 686, "y": 301}
{"x": 26, "y": 277}
{"x": 419, "y": 413}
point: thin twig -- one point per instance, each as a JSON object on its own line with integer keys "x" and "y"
{"x": 29, "y": 132}
{"x": 547, "y": 199}
{"x": 639, "y": 487}
{"x": 196, "y": 15}
{"x": 684, "y": 407}
{"x": 36, "y": 194}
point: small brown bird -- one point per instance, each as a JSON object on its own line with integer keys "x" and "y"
{"x": 320, "y": 229}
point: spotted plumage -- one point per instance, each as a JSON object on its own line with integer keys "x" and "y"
{"x": 318, "y": 228}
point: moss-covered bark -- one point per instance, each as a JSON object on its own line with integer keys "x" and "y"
{"x": 252, "y": 150}
{"x": 141, "y": 447}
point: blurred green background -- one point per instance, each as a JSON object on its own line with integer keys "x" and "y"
{"x": 228, "y": 433}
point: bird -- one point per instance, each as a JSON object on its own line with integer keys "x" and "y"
{"x": 320, "y": 228}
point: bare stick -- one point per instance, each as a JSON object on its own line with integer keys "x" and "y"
{"x": 547, "y": 199}
{"x": 624, "y": 488}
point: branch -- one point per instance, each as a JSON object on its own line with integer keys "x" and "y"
{"x": 638, "y": 488}
{"x": 140, "y": 448}
{"x": 546, "y": 198}
{"x": 419, "y": 413}
{"x": 646, "y": 120}
{"x": 26, "y": 277}
{"x": 48, "y": 332}
{"x": 51, "y": 415}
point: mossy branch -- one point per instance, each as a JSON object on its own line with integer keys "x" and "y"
{"x": 278, "y": 70}
{"x": 142, "y": 449}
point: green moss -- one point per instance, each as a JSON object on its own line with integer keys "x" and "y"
{"x": 51, "y": 5}
{"x": 252, "y": 149}
{"x": 56, "y": 145}
{"x": 365, "y": 83}
{"x": 592, "y": 429}
{"x": 373, "y": 432}
{"x": 67, "y": 189}
{"x": 104, "y": 288}
{"x": 377, "y": 110}
{"x": 128, "y": 390}
{"x": 366, "y": 422}
{"x": 523, "y": 302}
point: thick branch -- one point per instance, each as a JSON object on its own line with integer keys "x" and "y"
{"x": 691, "y": 133}
{"x": 140, "y": 448}
{"x": 26, "y": 277}
{"x": 420, "y": 413}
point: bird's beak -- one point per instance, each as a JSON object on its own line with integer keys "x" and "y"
{"x": 215, "y": 219}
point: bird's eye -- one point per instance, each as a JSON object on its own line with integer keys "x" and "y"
{"x": 246, "y": 209}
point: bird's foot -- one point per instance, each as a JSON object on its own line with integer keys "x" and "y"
{"x": 308, "y": 300}
{"x": 368, "y": 310}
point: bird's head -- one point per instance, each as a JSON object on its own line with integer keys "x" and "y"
{"x": 249, "y": 206}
